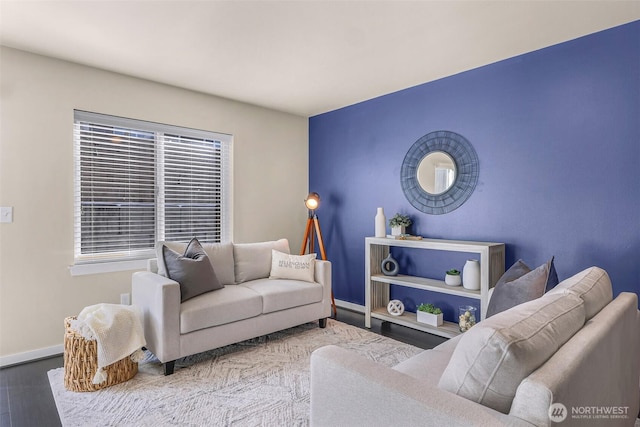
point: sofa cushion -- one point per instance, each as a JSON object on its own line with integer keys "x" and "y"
{"x": 494, "y": 356}
{"x": 428, "y": 366}
{"x": 230, "y": 304}
{"x": 592, "y": 285}
{"x": 294, "y": 267}
{"x": 280, "y": 294}
{"x": 193, "y": 270}
{"x": 253, "y": 260}
{"x": 520, "y": 284}
{"x": 220, "y": 255}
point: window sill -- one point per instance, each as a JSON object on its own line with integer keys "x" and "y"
{"x": 107, "y": 267}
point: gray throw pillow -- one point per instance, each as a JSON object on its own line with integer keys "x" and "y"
{"x": 520, "y": 284}
{"x": 193, "y": 270}
{"x": 552, "y": 278}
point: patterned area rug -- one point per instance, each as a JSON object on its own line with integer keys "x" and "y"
{"x": 259, "y": 382}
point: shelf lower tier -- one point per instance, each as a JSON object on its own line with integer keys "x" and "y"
{"x": 447, "y": 330}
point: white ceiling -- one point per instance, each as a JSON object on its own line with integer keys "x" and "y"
{"x": 304, "y": 57}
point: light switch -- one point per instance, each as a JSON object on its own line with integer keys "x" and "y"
{"x": 6, "y": 214}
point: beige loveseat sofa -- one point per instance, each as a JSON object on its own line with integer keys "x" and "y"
{"x": 249, "y": 305}
{"x": 571, "y": 356}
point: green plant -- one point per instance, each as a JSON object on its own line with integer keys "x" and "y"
{"x": 453, "y": 272}
{"x": 429, "y": 308}
{"x": 400, "y": 220}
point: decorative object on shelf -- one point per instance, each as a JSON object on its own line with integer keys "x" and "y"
{"x": 429, "y": 314}
{"x": 398, "y": 231}
{"x": 407, "y": 237}
{"x": 395, "y": 307}
{"x": 467, "y": 317}
{"x": 439, "y": 172}
{"x": 471, "y": 275}
{"x": 381, "y": 221}
{"x": 399, "y": 224}
{"x": 312, "y": 202}
{"x": 389, "y": 266}
{"x": 452, "y": 278}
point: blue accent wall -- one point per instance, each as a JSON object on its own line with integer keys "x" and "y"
{"x": 557, "y": 132}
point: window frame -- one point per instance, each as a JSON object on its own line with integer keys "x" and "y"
{"x": 138, "y": 259}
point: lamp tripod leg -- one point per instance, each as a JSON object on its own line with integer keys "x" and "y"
{"x": 323, "y": 254}
{"x": 308, "y": 242}
{"x": 307, "y": 235}
{"x": 316, "y": 222}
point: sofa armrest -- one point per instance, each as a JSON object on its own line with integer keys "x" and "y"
{"x": 597, "y": 368}
{"x": 159, "y": 299}
{"x": 348, "y": 389}
{"x": 322, "y": 275}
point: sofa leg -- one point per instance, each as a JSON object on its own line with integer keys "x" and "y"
{"x": 323, "y": 323}
{"x": 168, "y": 367}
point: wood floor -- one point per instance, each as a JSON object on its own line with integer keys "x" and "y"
{"x": 26, "y": 399}
{"x": 25, "y": 396}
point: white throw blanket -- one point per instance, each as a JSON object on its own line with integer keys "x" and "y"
{"x": 117, "y": 330}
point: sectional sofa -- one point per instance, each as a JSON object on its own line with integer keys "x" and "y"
{"x": 570, "y": 357}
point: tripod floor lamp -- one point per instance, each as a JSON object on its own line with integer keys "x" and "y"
{"x": 308, "y": 242}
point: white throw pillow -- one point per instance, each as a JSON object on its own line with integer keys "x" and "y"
{"x": 253, "y": 260}
{"x": 295, "y": 267}
{"x": 494, "y": 356}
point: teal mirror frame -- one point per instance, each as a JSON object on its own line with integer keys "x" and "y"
{"x": 467, "y": 171}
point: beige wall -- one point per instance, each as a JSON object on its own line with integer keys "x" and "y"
{"x": 37, "y": 99}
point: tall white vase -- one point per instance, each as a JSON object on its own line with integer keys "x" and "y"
{"x": 471, "y": 275}
{"x": 381, "y": 223}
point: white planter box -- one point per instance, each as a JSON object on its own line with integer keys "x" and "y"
{"x": 429, "y": 319}
{"x": 398, "y": 230}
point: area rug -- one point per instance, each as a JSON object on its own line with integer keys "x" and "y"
{"x": 259, "y": 382}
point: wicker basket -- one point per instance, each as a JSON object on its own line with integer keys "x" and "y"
{"x": 81, "y": 363}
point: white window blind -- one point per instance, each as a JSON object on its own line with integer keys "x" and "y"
{"x": 138, "y": 182}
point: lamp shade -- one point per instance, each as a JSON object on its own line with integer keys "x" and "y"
{"x": 312, "y": 201}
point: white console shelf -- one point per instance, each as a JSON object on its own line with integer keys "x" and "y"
{"x": 377, "y": 284}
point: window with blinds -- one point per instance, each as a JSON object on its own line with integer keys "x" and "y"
{"x": 139, "y": 182}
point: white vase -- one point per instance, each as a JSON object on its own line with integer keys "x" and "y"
{"x": 381, "y": 224}
{"x": 471, "y": 275}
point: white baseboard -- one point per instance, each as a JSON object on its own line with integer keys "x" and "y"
{"x": 350, "y": 306}
{"x": 28, "y": 356}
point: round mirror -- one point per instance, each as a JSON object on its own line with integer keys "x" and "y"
{"x": 458, "y": 160}
{"x": 436, "y": 172}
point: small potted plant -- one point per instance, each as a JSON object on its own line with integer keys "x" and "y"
{"x": 452, "y": 278}
{"x": 429, "y": 314}
{"x": 399, "y": 224}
